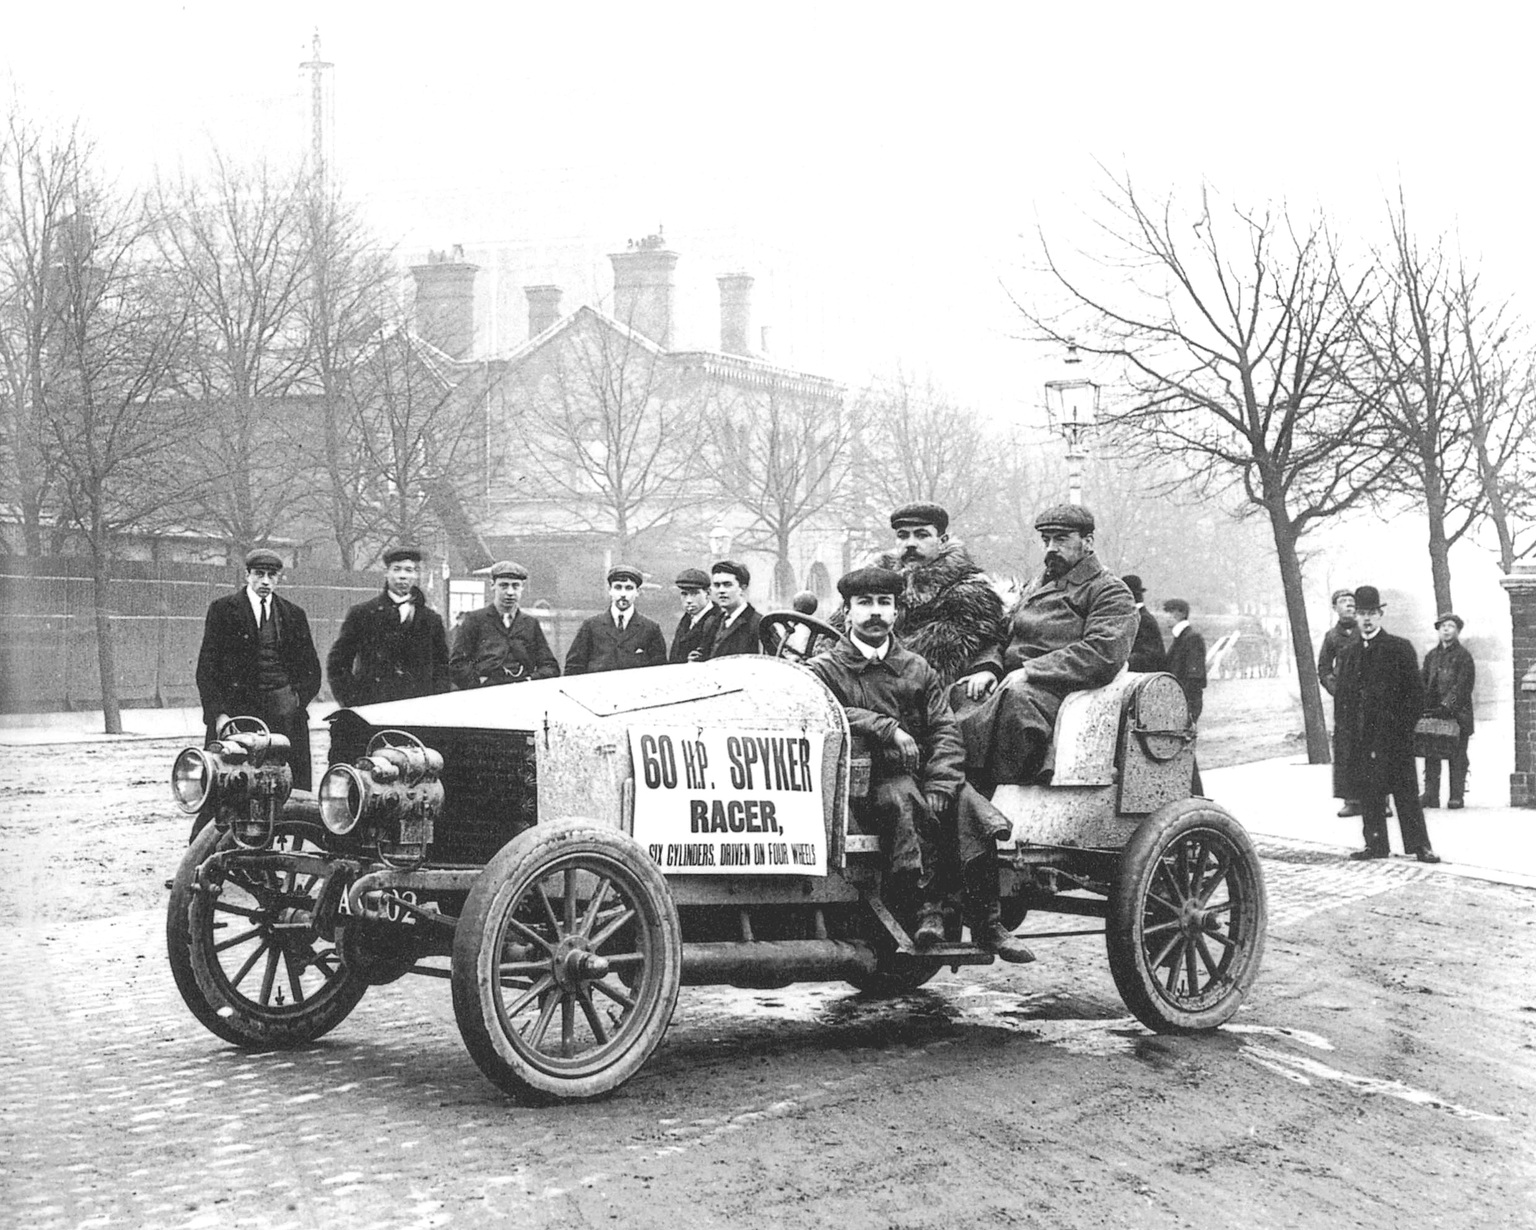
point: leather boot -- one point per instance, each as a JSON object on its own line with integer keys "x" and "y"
{"x": 930, "y": 925}
{"x": 984, "y": 915}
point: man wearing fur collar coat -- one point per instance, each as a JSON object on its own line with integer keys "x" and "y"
{"x": 950, "y": 614}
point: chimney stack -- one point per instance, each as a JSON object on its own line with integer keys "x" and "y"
{"x": 445, "y": 302}
{"x": 735, "y": 313}
{"x": 642, "y": 288}
{"x": 543, "y": 308}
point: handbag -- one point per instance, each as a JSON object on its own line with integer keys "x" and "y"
{"x": 1436, "y": 738}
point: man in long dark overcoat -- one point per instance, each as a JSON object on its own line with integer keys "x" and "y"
{"x": 1376, "y": 705}
{"x": 501, "y": 643}
{"x": 620, "y": 638}
{"x": 896, "y": 703}
{"x": 1449, "y": 677}
{"x": 258, "y": 660}
{"x": 1186, "y": 663}
{"x": 1147, "y": 652}
{"x": 1346, "y": 629}
{"x": 391, "y": 647}
{"x": 1071, "y": 630}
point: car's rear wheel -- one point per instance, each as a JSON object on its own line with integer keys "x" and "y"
{"x": 566, "y": 963}
{"x": 243, "y": 949}
{"x": 1187, "y": 918}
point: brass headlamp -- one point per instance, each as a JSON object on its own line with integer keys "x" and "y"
{"x": 393, "y": 792}
{"x": 243, "y": 775}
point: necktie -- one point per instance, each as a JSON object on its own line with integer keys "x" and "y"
{"x": 264, "y": 611}
{"x": 506, "y": 622}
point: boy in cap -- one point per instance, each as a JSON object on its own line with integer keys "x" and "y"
{"x": 500, "y": 643}
{"x": 896, "y": 703}
{"x": 1449, "y": 677}
{"x": 1334, "y": 640}
{"x": 621, "y": 637}
{"x": 258, "y": 660}
{"x": 391, "y": 647}
{"x": 1378, "y": 702}
{"x": 1071, "y": 630}
{"x": 690, "y": 643}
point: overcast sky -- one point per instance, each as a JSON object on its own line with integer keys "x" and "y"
{"x": 874, "y": 167}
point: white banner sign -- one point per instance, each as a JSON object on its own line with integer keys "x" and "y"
{"x": 713, "y": 802}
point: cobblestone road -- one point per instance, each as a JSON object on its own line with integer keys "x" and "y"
{"x": 120, "y": 1110}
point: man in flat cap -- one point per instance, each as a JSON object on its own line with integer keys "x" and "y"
{"x": 1071, "y": 630}
{"x": 896, "y": 704}
{"x": 258, "y": 660}
{"x": 393, "y": 646}
{"x": 1378, "y": 702}
{"x": 1342, "y": 632}
{"x": 696, "y": 628}
{"x": 1147, "y": 652}
{"x": 948, "y": 611}
{"x": 1449, "y": 676}
{"x": 500, "y": 643}
{"x": 736, "y": 631}
{"x": 620, "y": 637}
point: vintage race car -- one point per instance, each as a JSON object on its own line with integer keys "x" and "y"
{"x": 568, "y": 852}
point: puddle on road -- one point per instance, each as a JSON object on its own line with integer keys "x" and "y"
{"x": 1054, "y": 1019}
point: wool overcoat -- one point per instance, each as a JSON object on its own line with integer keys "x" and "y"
{"x": 485, "y": 652}
{"x": 378, "y": 658}
{"x": 1186, "y": 663}
{"x": 739, "y": 638}
{"x": 1147, "y": 649}
{"x": 1379, "y": 700}
{"x": 1449, "y": 676}
{"x": 600, "y": 646}
{"x": 694, "y": 635}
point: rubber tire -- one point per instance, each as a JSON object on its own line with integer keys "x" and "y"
{"x": 529, "y": 857}
{"x": 203, "y": 985}
{"x": 1144, "y": 993}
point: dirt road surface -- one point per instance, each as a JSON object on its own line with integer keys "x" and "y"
{"x": 1383, "y": 1073}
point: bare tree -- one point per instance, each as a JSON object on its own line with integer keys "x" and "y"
{"x": 1231, "y": 334}
{"x": 916, "y": 443}
{"x": 37, "y": 186}
{"x": 610, "y": 426}
{"x": 114, "y": 420}
{"x": 784, "y": 458}
{"x": 240, "y": 246}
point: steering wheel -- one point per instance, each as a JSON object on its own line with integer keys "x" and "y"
{"x": 776, "y": 635}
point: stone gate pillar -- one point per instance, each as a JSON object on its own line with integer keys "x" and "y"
{"x": 1521, "y": 585}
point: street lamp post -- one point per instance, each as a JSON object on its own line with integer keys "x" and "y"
{"x": 1072, "y": 405}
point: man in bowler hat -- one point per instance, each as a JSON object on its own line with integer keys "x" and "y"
{"x": 258, "y": 660}
{"x": 1147, "y": 649}
{"x": 621, "y": 637}
{"x": 500, "y": 643}
{"x": 1449, "y": 677}
{"x": 1377, "y": 704}
{"x": 1071, "y": 630}
{"x": 391, "y": 647}
{"x": 690, "y": 643}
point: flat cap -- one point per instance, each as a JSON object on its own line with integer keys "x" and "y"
{"x": 395, "y": 554}
{"x": 1133, "y": 583}
{"x": 1340, "y": 593}
{"x": 692, "y": 578}
{"x": 1070, "y": 517}
{"x": 870, "y": 581}
{"x": 921, "y": 514}
{"x": 1368, "y": 598}
{"x": 626, "y": 572}
{"x": 1450, "y": 617}
{"x": 508, "y": 568}
{"x": 263, "y": 557}
{"x": 735, "y": 567}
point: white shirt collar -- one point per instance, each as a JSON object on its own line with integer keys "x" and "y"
{"x": 872, "y": 653}
{"x": 621, "y": 618}
{"x": 1180, "y": 626}
{"x": 732, "y": 616}
{"x": 1371, "y": 636}
{"x": 397, "y": 601}
{"x": 256, "y": 602}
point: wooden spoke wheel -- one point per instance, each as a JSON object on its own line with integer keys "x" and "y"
{"x": 1187, "y": 919}
{"x": 566, "y": 963}
{"x": 242, "y": 945}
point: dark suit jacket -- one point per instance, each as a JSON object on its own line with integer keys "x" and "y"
{"x": 226, "y": 663}
{"x": 1328, "y": 656}
{"x": 1379, "y": 699}
{"x": 600, "y": 646}
{"x": 1186, "y": 663}
{"x": 1147, "y": 649}
{"x": 1449, "y": 676}
{"x": 696, "y": 635}
{"x": 739, "y": 638}
{"x": 377, "y": 658}
{"x": 486, "y": 653}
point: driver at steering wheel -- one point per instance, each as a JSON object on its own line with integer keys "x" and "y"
{"x": 895, "y": 701}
